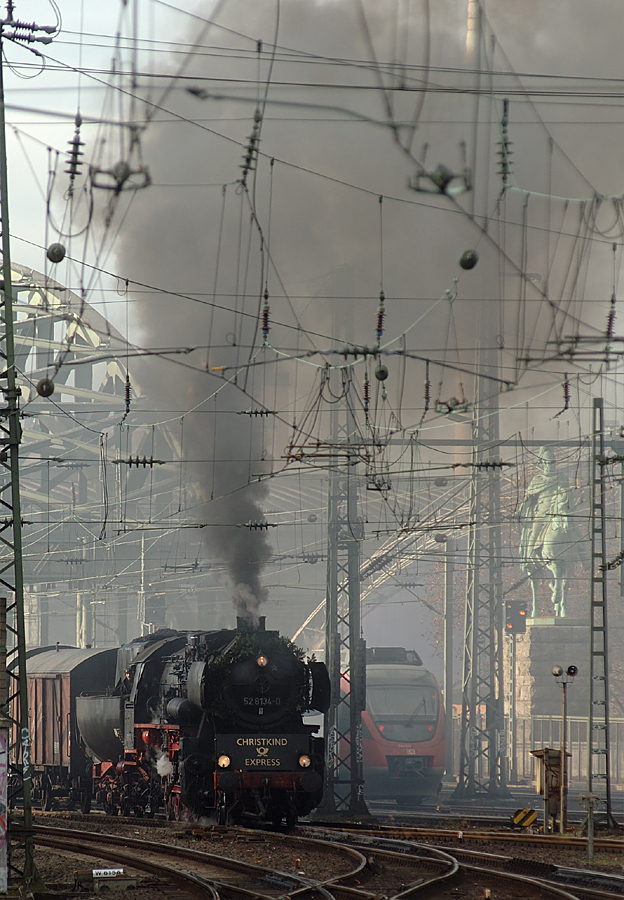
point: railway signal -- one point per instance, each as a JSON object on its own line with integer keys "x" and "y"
{"x": 515, "y": 616}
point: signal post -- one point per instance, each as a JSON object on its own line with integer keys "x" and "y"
{"x": 515, "y": 623}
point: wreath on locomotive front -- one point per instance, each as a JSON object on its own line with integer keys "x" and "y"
{"x": 262, "y": 681}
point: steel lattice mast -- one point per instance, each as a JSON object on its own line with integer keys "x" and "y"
{"x": 11, "y": 567}
{"x": 482, "y": 767}
{"x": 11, "y": 570}
{"x": 345, "y": 648}
{"x": 598, "y": 758}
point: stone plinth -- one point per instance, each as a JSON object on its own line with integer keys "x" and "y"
{"x": 550, "y": 642}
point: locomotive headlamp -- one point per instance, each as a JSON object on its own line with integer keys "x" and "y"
{"x": 224, "y": 761}
{"x": 262, "y": 661}
{"x": 304, "y": 761}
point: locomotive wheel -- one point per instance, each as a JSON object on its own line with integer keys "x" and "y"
{"x": 222, "y": 811}
{"x": 291, "y": 819}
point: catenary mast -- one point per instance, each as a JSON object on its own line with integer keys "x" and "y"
{"x": 11, "y": 565}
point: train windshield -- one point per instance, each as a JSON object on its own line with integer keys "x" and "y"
{"x": 403, "y": 703}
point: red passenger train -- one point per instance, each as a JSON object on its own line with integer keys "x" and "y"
{"x": 403, "y": 736}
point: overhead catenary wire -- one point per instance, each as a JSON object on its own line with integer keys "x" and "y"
{"x": 264, "y": 388}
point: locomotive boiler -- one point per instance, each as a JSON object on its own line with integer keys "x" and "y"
{"x": 208, "y": 724}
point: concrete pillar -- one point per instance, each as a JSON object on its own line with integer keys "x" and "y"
{"x": 548, "y": 642}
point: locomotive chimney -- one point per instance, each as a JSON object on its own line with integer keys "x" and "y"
{"x": 246, "y": 623}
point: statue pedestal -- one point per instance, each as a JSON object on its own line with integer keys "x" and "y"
{"x": 549, "y": 642}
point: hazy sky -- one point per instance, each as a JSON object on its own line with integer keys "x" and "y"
{"x": 318, "y": 204}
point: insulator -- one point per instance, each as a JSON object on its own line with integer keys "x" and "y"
{"x": 252, "y": 146}
{"x": 380, "y": 316}
{"x": 74, "y": 161}
{"x": 265, "y": 321}
{"x": 127, "y": 390}
{"x": 611, "y": 319}
{"x": 504, "y": 144}
{"x": 366, "y": 393}
{"x": 137, "y": 461}
{"x": 566, "y": 392}
{"x": 566, "y": 397}
{"x": 255, "y": 412}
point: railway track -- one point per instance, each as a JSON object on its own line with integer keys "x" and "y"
{"x": 408, "y": 832}
{"x": 373, "y": 866}
{"x": 186, "y": 883}
{"x": 213, "y": 875}
{"x": 581, "y": 883}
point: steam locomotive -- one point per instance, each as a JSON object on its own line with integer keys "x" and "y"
{"x": 205, "y": 724}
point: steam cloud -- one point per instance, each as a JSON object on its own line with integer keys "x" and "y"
{"x": 172, "y": 240}
{"x": 318, "y": 230}
{"x": 172, "y": 235}
{"x": 164, "y": 766}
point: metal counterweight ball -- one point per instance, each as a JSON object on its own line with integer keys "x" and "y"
{"x": 469, "y": 259}
{"x": 56, "y": 253}
{"x": 45, "y": 387}
{"x": 381, "y": 372}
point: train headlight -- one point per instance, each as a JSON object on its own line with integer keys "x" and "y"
{"x": 305, "y": 761}
{"x": 224, "y": 761}
{"x": 262, "y": 661}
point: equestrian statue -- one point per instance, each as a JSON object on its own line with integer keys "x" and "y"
{"x": 550, "y": 539}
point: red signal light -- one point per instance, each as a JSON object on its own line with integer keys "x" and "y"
{"x": 516, "y": 615}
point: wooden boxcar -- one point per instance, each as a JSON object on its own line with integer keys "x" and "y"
{"x": 56, "y": 676}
